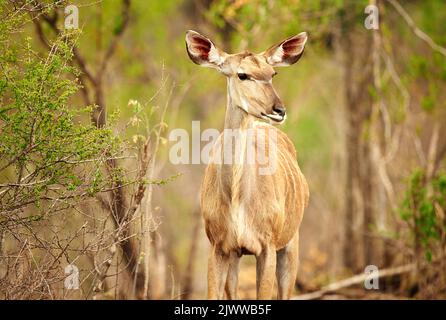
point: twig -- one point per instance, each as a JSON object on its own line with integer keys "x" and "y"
{"x": 417, "y": 31}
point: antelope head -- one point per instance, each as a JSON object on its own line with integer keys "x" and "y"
{"x": 249, "y": 75}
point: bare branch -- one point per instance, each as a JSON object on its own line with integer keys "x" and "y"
{"x": 125, "y": 12}
{"x": 417, "y": 31}
{"x": 357, "y": 279}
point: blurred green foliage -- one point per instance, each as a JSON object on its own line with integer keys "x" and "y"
{"x": 421, "y": 208}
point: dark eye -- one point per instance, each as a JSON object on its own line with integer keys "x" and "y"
{"x": 242, "y": 76}
{"x": 274, "y": 74}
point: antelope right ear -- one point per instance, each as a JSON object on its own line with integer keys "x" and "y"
{"x": 287, "y": 52}
{"x": 202, "y": 51}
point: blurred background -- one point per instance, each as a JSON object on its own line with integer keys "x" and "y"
{"x": 366, "y": 112}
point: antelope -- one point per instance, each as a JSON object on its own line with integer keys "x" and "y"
{"x": 246, "y": 212}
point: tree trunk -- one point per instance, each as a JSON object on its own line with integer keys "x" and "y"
{"x": 360, "y": 182}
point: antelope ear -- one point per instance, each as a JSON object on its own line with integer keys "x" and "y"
{"x": 287, "y": 52}
{"x": 202, "y": 51}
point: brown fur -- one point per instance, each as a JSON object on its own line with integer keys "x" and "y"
{"x": 257, "y": 214}
{"x": 273, "y": 203}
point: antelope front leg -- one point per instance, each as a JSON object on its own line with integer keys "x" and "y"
{"x": 217, "y": 272}
{"x": 266, "y": 269}
{"x": 287, "y": 265}
{"x": 232, "y": 279}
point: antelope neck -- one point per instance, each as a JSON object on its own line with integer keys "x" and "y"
{"x": 236, "y": 117}
{"x": 231, "y": 175}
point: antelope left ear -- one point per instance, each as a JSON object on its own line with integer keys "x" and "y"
{"x": 287, "y": 52}
{"x": 202, "y": 50}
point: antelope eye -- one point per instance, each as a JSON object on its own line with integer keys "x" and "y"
{"x": 242, "y": 76}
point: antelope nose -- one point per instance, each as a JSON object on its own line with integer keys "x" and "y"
{"x": 280, "y": 110}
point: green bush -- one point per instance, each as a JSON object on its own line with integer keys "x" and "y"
{"x": 423, "y": 199}
{"x": 48, "y": 149}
